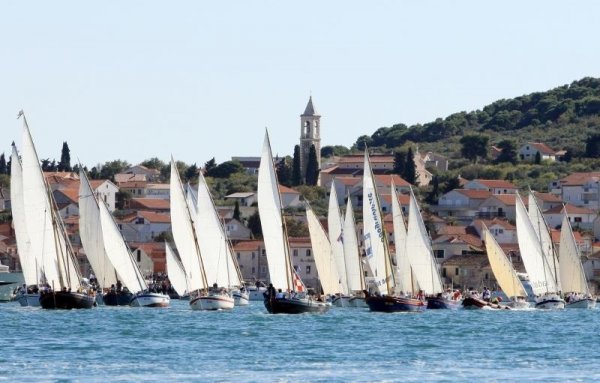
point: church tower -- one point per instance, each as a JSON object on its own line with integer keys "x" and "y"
{"x": 310, "y": 134}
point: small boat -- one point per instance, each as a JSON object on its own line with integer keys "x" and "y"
{"x": 441, "y": 302}
{"x": 213, "y": 301}
{"x": 474, "y": 302}
{"x": 340, "y": 300}
{"x": 582, "y": 303}
{"x": 66, "y": 300}
{"x": 393, "y": 303}
{"x": 120, "y": 298}
{"x": 257, "y": 293}
{"x": 150, "y": 299}
{"x": 281, "y": 271}
{"x": 241, "y": 297}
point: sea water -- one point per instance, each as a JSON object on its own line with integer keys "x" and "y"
{"x": 123, "y": 344}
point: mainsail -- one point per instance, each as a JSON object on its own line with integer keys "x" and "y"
{"x": 543, "y": 234}
{"x": 175, "y": 271}
{"x": 334, "y": 224}
{"x": 538, "y": 269}
{"x": 374, "y": 233}
{"x": 420, "y": 254}
{"x": 322, "y": 252}
{"x": 502, "y": 267}
{"x": 354, "y": 270}
{"x": 274, "y": 233}
{"x": 572, "y": 275}
{"x": 405, "y": 281}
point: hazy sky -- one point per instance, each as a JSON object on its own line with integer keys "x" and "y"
{"x": 136, "y": 79}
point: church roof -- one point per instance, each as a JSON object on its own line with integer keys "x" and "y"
{"x": 310, "y": 109}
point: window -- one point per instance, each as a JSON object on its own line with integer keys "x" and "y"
{"x": 264, "y": 252}
{"x": 105, "y": 198}
{"x": 439, "y": 253}
{"x": 444, "y": 272}
{"x": 576, "y": 219}
{"x": 295, "y": 252}
{"x": 456, "y": 271}
{"x": 297, "y": 268}
{"x": 120, "y": 226}
{"x": 308, "y": 252}
{"x": 238, "y": 255}
{"x": 253, "y": 255}
{"x": 486, "y": 276}
{"x": 139, "y": 255}
{"x": 307, "y": 269}
{"x": 253, "y": 270}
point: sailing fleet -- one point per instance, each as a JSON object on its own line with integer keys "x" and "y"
{"x": 202, "y": 267}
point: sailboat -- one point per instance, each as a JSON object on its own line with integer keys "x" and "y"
{"x": 378, "y": 256}
{"x": 334, "y": 224}
{"x": 572, "y": 275}
{"x": 92, "y": 239}
{"x": 323, "y": 255}
{"x": 28, "y": 295}
{"x": 48, "y": 238}
{"x": 505, "y": 274}
{"x": 539, "y": 269}
{"x": 184, "y": 234}
{"x": 281, "y": 272}
{"x": 221, "y": 267}
{"x": 175, "y": 272}
{"x": 355, "y": 274}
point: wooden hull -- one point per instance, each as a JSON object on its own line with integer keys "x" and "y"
{"x": 294, "y": 306}
{"x": 117, "y": 299}
{"x": 471, "y": 303}
{"x": 438, "y": 303}
{"x": 391, "y": 304}
{"x": 66, "y": 300}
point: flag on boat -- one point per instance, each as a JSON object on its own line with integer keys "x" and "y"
{"x": 299, "y": 286}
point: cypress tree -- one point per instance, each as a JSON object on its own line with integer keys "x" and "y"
{"x": 399, "y": 162}
{"x": 410, "y": 170}
{"x": 284, "y": 172}
{"x": 538, "y": 158}
{"x": 236, "y": 211}
{"x": 296, "y": 170}
{"x": 3, "y": 168}
{"x": 312, "y": 167}
{"x": 65, "y": 159}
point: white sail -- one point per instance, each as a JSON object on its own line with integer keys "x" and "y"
{"x": 269, "y": 210}
{"x": 175, "y": 271}
{"x": 191, "y": 197}
{"x": 182, "y": 227}
{"x": 352, "y": 255}
{"x": 322, "y": 252}
{"x": 118, "y": 253}
{"x": 572, "y": 275}
{"x": 26, "y": 258}
{"x": 334, "y": 224}
{"x": 543, "y": 233}
{"x": 420, "y": 254}
{"x": 46, "y": 239}
{"x": 502, "y": 267}
{"x": 90, "y": 231}
{"x": 404, "y": 282}
{"x": 538, "y": 270}
{"x": 217, "y": 256}
{"x": 374, "y": 233}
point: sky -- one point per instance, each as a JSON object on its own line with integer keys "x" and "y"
{"x": 132, "y": 80}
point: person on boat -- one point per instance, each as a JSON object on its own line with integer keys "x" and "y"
{"x": 420, "y": 295}
{"x": 457, "y": 295}
{"x": 486, "y": 295}
{"x": 280, "y": 294}
{"x": 270, "y": 291}
{"x": 119, "y": 286}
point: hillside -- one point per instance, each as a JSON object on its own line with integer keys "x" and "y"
{"x": 563, "y": 118}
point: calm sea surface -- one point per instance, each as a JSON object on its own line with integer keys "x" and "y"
{"x": 248, "y": 345}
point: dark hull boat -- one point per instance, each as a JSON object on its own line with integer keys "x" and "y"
{"x": 476, "y": 303}
{"x": 294, "y": 305}
{"x": 440, "y": 303}
{"x": 391, "y": 304}
{"x": 117, "y": 299}
{"x": 66, "y": 300}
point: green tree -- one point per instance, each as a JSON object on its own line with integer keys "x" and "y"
{"x": 122, "y": 199}
{"x": 434, "y": 194}
{"x": 336, "y": 150}
{"x": 65, "y": 159}
{"x": 209, "y": 166}
{"x": 410, "y": 169}
{"x": 296, "y": 169}
{"x": 508, "y": 152}
{"x": 362, "y": 142}
{"x": 225, "y": 169}
{"x": 312, "y": 167}
{"x": 538, "y": 158}
{"x": 191, "y": 173}
{"x": 236, "y": 211}
{"x": 165, "y": 236}
{"x": 284, "y": 172}
{"x": 592, "y": 146}
{"x": 399, "y": 162}
{"x": 110, "y": 168}
{"x": 154, "y": 163}
{"x": 254, "y": 225}
{"x": 474, "y": 146}
{"x": 296, "y": 228}
{"x": 3, "y": 167}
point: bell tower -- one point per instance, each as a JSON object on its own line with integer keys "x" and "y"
{"x": 310, "y": 134}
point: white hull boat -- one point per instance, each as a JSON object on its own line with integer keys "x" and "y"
{"x": 518, "y": 305}
{"x": 241, "y": 298}
{"x": 257, "y": 293}
{"x": 212, "y": 302}
{"x": 29, "y": 300}
{"x": 585, "y": 303}
{"x": 358, "y": 302}
{"x": 342, "y": 301}
{"x": 550, "y": 302}
{"x": 150, "y": 300}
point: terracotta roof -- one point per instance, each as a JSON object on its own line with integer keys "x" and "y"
{"x": 240, "y": 195}
{"x": 373, "y": 158}
{"x": 70, "y": 193}
{"x": 571, "y": 209}
{"x": 555, "y": 235}
{"x": 478, "y": 223}
{"x": 542, "y": 148}
{"x": 153, "y": 249}
{"x": 468, "y": 239}
{"x": 155, "y": 217}
{"x": 150, "y": 203}
{"x": 347, "y": 181}
{"x": 496, "y": 183}
{"x": 509, "y": 199}
{"x": 248, "y": 245}
{"x": 158, "y": 186}
{"x": 475, "y": 194}
{"x": 547, "y": 197}
{"x": 287, "y": 190}
{"x": 577, "y": 179}
{"x": 387, "y": 179}
{"x": 299, "y": 240}
{"x": 452, "y": 230}
{"x": 96, "y": 183}
{"x": 404, "y": 199}
{"x": 136, "y": 184}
